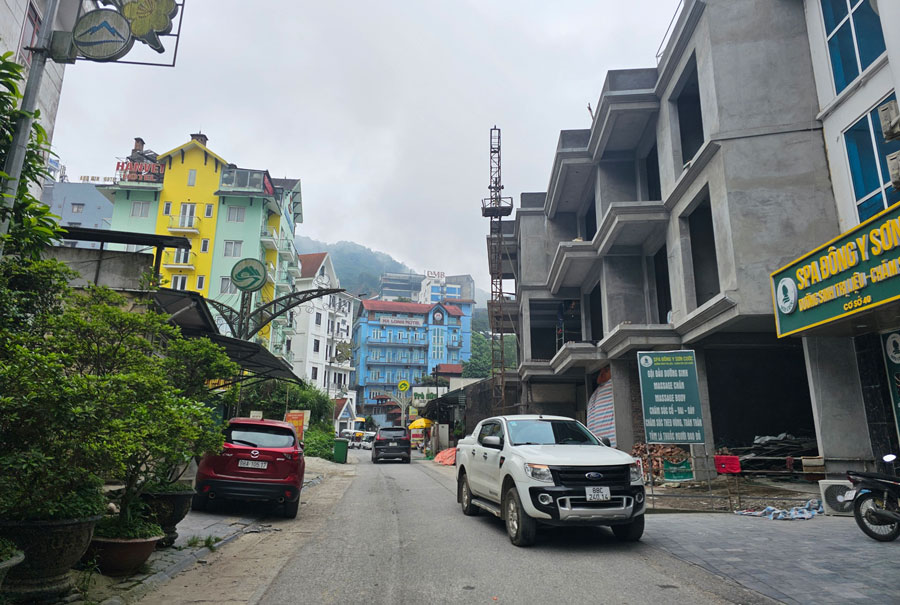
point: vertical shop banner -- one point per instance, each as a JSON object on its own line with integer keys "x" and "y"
{"x": 891, "y": 347}
{"x": 300, "y": 419}
{"x": 670, "y": 396}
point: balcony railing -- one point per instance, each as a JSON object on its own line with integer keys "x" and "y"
{"x": 240, "y": 179}
{"x": 396, "y": 341}
{"x": 286, "y": 249}
{"x": 184, "y": 224}
{"x": 268, "y": 238}
{"x": 396, "y": 362}
{"x": 270, "y": 272}
{"x": 179, "y": 259}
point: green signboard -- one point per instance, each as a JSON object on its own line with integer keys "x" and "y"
{"x": 891, "y": 344}
{"x": 854, "y": 272}
{"x": 671, "y": 397}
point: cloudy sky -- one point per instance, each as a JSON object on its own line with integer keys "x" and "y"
{"x": 383, "y": 109}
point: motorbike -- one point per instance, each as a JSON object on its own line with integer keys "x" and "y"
{"x": 876, "y": 502}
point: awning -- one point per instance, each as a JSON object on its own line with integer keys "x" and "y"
{"x": 189, "y": 311}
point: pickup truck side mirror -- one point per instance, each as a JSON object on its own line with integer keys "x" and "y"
{"x": 605, "y": 441}
{"x": 493, "y": 441}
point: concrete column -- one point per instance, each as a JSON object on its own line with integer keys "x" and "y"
{"x": 626, "y": 402}
{"x": 838, "y": 409}
{"x": 703, "y": 454}
{"x": 889, "y": 12}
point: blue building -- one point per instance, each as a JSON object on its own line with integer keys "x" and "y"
{"x": 78, "y": 205}
{"x": 396, "y": 341}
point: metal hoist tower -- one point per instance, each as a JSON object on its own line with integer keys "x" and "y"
{"x": 495, "y": 208}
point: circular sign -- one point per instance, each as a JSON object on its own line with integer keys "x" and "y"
{"x": 892, "y": 347}
{"x": 646, "y": 361}
{"x": 249, "y": 275}
{"x": 403, "y": 386}
{"x": 438, "y": 316}
{"x": 786, "y": 295}
{"x": 102, "y": 35}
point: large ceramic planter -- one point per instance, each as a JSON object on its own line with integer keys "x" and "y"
{"x": 169, "y": 509}
{"x": 51, "y": 548}
{"x": 5, "y": 566}
{"x": 120, "y": 556}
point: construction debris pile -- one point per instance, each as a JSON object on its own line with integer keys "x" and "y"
{"x": 653, "y": 455}
{"x": 775, "y": 453}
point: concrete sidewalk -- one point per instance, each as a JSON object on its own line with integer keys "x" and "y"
{"x": 216, "y": 528}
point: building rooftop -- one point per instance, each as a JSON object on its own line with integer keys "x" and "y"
{"x": 406, "y": 307}
{"x": 449, "y": 368}
{"x": 310, "y": 263}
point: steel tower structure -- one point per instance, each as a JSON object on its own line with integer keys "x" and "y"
{"x": 495, "y": 208}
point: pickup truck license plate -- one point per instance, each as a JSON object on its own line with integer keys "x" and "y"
{"x": 596, "y": 493}
{"x": 392, "y": 443}
{"x": 253, "y": 463}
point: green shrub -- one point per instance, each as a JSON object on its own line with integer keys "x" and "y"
{"x": 319, "y": 443}
{"x": 136, "y": 527}
{"x": 7, "y": 550}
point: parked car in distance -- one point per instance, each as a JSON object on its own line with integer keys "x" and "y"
{"x": 532, "y": 470}
{"x": 260, "y": 460}
{"x": 391, "y": 442}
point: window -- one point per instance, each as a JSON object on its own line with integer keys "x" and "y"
{"x": 227, "y": 286}
{"x": 179, "y": 282}
{"x": 192, "y": 177}
{"x": 204, "y": 245}
{"x": 167, "y": 208}
{"x": 318, "y": 318}
{"x": 209, "y": 211}
{"x": 140, "y": 209}
{"x": 77, "y": 208}
{"x": 435, "y": 289}
{"x": 233, "y": 248}
{"x": 73, "y": 224}
{"x": 236, "y": 214}
{"x": 854, "y": 36}
{"x": 29, "y": 33}
{"x": 201, "y": 282}
{"x": 690, "y": 115}
{"x": 322, "y": 270}
{"x": 866, "y": 151}
{"x": 315, "y": 373}
{"x": 315, "y": 345}
{"x": 703, "y": 253}
{"x": 182, "y": 256}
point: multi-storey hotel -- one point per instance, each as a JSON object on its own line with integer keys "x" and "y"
{"x": 227, "y": 213}
{"x": 397, "y": 341}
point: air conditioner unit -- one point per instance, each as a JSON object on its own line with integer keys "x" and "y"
{"x": 893, "y": 162}
{"x": 889, "y": 115}
{"x": 832, "y": 496}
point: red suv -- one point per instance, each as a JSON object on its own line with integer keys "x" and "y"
{"x": 261, "y": 460}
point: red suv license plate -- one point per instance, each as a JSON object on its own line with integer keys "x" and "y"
{"x": 253, "y": 463}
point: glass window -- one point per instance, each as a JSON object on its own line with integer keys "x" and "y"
{"x": 259, "y": 436}
{"x": 227, "y": 286}
{"x": 201, "y": 282}
{"x": 233, "y": 248}
{"x": 209, "y": 210}
{"x": 855, "y": 38}
{"x": 236, "y": 214}
{"x": 167, "y": 208}
{"x": 315, "y": 345}
{"x": 204, "y": 245}
{"x": 29, "y": 33}
{"x": 315, "y": 373}
{"x": 140, "y": 209}
{"x": 549, "y": 432}
{"x": 179, "y": 282}
{"x": 866, "y": 152}
{"x": 77, "y": 208}
{"x": 192, "y": 177}
{"x": 318, "y": 319}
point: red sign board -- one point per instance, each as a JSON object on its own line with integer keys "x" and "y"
{"x": 297, "y": 418}
{"x": 146, "y": 172}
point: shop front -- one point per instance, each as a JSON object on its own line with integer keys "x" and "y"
{"x": 843, "y": 300}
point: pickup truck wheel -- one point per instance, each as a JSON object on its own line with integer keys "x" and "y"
{"x": 465, "y": 497}
{"x": 520, "y": 527}
{"x": 630, "y": 532}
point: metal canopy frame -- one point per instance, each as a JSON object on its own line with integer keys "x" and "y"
{"x": 245, "y": 327}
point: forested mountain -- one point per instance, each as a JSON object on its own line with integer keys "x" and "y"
{"x": 359, "y": 268}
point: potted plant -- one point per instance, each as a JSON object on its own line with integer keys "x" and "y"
{"x": 52, "y": 435}
{"x": 10, "y": 556}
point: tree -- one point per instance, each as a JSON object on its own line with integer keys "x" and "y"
{"x": 479, "y": 364}
{"x": 429, "y": 381}
{"x": 275, "y": 397}
{"x": 31, "y": 225}
{"x": 343, "y": 351}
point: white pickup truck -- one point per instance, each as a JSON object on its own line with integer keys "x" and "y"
{"x": 531, "y": 469}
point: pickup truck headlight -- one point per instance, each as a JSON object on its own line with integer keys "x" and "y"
{"x": 539, "y": 472}
{"x": 637, "y": 473}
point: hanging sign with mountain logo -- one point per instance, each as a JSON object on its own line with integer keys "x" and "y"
{"x": 102, "y": 35}
{"x": 248, "y": 274}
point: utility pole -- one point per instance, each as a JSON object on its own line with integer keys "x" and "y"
{"x": 15, "y": 158}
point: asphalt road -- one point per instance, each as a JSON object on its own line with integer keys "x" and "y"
{"x": 397, "y": 535}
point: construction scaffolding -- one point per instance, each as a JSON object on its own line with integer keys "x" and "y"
{"x": 496, "y": 207}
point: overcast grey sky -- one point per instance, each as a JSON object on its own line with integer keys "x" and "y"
{"x": 383, "y": 109}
